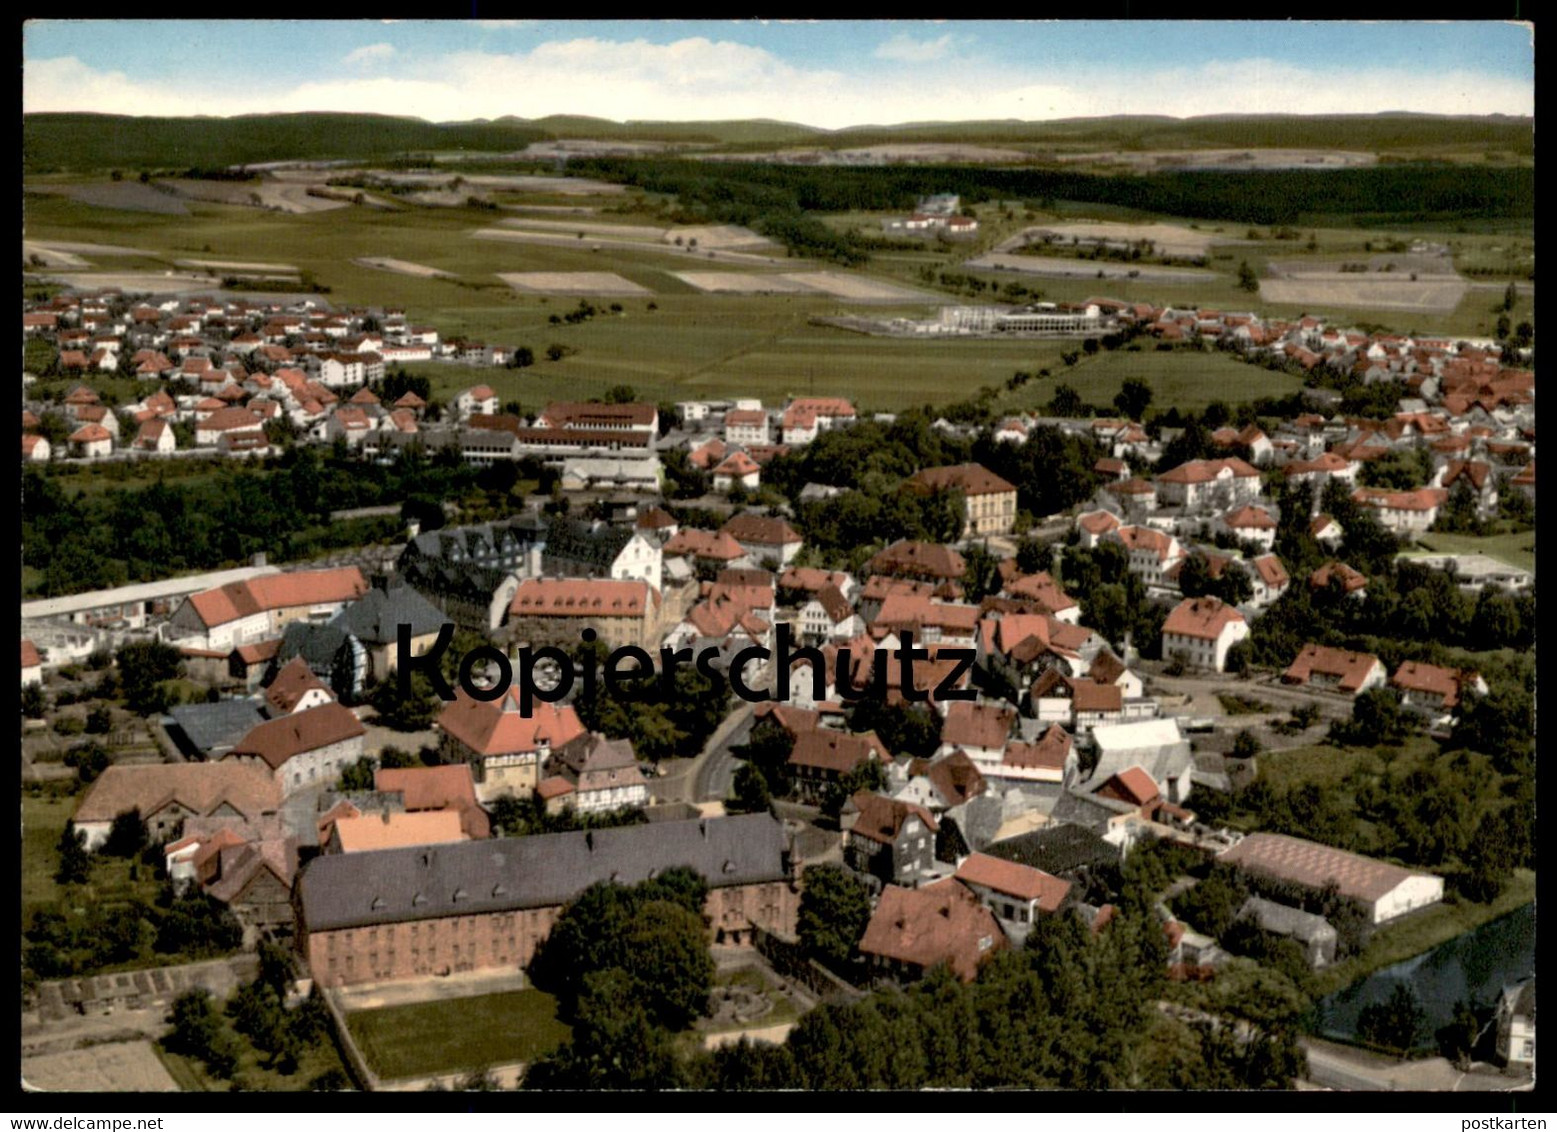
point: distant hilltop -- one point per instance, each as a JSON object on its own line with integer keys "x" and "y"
{"x": 60, "y": 141}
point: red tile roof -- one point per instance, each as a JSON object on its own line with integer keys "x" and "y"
{"x": 498, "y": 728}
{"x": 1012, "y": 879}
{"x": 277, "y": 591}
{"x": 281, "y": 739}
{"x": 970, "y": 479}
{"x": 882, "y": 819}
{"x": 940, "y": 923}
{"x": 1203, "y": 617}
{"x": 1349, "y": 668}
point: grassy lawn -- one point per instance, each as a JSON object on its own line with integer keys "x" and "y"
{"x": 43, "y": 818}
{"x": 458, "y": 1034}
{"x": 1422, "y": 931}
{"x": 1517, "y": 550}
{"x": 1186, "y": 379}
{"x": 1326, "y": 765}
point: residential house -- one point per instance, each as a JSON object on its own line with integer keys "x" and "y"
{"x": 1318, "y": 666}
{"x": 887, "y": 841}
{"x": 915, "y": 930}
{"x": 821, "y": 759}
{"x": 600, "y": 775}
{"x": 448, "y": 787}
{"x": 505, "y": 748}
{"x": 1016, "y": 894}
{"x": 764, "y": 540}
{"x": 1201, "y": 630}
{"x": 310, "y": 748}
{"x": 1433, "y": 688}
{"x": 1515, "y": 1022}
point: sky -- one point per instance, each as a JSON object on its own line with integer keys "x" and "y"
{"x": 826, "y": 74}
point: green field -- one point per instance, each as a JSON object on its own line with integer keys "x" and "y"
{"x": 1182, "y": 378}
{"x": 695, "y": 345}
{"x": 459, "y": 1034}
{"x": 1517, "y": 549}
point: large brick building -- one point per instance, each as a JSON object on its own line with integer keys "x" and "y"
{"x": 481, "y": 905}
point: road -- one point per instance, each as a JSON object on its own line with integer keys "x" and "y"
{"x": 1338, "y": 1066}
{"x": 708, "y": 776}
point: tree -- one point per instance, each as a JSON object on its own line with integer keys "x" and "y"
{"x": 359, "y": 775}
{"x": 1377, "y": 719}
{"x": 751, "y": 792}
{"x": 1066, "y": 402}
{"x": 89, "y": 761}
{"x": 523, "y": 357}
{"x": 143, "y": 666}
{"x": 126, "y": 836}
{"x": 615, "y": 1044}
{"x": 99, "y": 720}
{"x": 1397, "y": 1023}
{"x": 834, "y": 910}
{"x": 415, "y": 712}
{"x": 34, "y": 702}
{"x": 982, "y": 577}
{"x": 1247, "y": 279}
{"x": 1457, "y": 1038}
{"x": 620, "y": 395}
{"x": 75, "y": 863}
{"x": 1245, "y": 746}
{"x": 555, "y": 352}
{"x": 1133, "y": 399}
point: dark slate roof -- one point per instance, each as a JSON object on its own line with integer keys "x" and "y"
{"x": 1088, "y": 811}
{"x": 318, "y": 645}
{"x": 547, "y": 870}
{"x": 1056, "y": 849}
{"x": 464, "y": 544}
{"x": 575, "y": 548}
{"x": 209, "y": 726}
{"x": 376, "y": 616}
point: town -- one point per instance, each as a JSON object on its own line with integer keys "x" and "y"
{"x": 724, "y": 558}
{"x": 1149, "y": 609}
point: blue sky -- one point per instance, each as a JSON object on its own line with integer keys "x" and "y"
{"x": 828, "y": 74}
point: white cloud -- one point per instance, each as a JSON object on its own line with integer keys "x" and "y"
{"x": 699, "y": 78}
{"x": 372, "y": 53}
{"x": 906, "y": 49}
{"x": 504, "y": 25}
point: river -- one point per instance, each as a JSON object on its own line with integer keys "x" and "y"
{"x": 1473, "y": 967}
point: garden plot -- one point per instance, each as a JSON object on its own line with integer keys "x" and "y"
{"x": 404, "y": 267}
{"x": 589, "y": 283}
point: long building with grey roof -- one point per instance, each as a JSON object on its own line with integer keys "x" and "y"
{"x": 467, "y": 906}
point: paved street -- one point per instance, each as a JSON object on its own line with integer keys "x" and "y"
{"x": 707, "y": 777}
